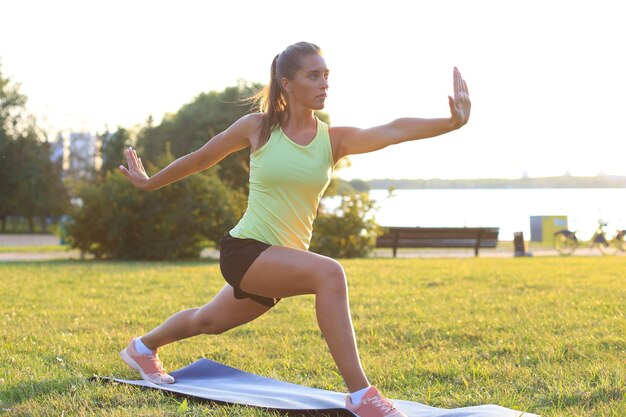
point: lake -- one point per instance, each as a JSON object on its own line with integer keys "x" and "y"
{"x": 508, "y": 209}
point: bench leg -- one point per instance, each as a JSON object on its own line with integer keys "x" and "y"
{"x": 480, "y": 235}
{"x": 394, "y": 251}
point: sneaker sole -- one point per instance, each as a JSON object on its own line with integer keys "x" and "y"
{"x": 131, "y": 362}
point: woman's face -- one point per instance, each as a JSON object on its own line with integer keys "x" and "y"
{"x": 310, "y": 83}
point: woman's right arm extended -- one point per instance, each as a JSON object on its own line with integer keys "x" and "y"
{"x": 233, "y": 139}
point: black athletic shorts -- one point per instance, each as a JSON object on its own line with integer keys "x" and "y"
{"x": 236, "y": 256}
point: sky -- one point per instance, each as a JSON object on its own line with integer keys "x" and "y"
{"x": 546, "y": 78}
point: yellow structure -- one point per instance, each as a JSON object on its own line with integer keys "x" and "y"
{"x": 542, "y": 228}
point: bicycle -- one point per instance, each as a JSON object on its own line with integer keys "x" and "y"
{"x": 566, "y": 242}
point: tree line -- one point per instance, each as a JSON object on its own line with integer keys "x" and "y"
{"x": 566, "y": 181}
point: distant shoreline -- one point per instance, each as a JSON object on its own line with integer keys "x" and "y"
{"x": 607, "y": 181}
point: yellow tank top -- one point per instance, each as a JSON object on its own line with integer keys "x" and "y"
{"x": 287, "y": 181}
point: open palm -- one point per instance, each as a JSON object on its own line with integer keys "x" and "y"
{"x": 460, "y": 105}
{"x": 135, "y": 172}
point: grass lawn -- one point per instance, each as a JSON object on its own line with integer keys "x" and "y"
{"x": 34, "y": 249}
{"x": 546, "y": 335}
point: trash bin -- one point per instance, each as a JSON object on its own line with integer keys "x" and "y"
{"x": 520, "y": 248}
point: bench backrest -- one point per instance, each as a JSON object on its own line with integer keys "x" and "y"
{"x": 439, "y": 237}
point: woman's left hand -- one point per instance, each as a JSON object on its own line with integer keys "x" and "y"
{"x": 460, "y": 105}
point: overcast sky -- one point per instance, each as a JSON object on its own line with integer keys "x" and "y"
{"x": 546, "y": 78}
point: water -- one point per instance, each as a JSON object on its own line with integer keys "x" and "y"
{"x": 508, "y": 209}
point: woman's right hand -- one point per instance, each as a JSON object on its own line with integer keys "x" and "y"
{"x": 135, "y": 172}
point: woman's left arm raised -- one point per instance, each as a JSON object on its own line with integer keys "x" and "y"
{"x": 350, "y": 140}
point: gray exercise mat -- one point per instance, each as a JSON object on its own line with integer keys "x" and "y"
{"x": 213, "y": 381}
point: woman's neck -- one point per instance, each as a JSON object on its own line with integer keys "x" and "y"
{"x": 297, "y": 120}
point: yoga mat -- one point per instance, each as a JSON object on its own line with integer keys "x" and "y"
{"x": 213, "y": 381}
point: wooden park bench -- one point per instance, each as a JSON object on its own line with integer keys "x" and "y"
{"x": 438, "y": 237}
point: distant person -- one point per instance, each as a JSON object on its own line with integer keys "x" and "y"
{"x": 265, "y": 256}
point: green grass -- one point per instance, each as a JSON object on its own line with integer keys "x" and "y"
{"x": 34, "y": 249}
{"x": 546, "y": 335}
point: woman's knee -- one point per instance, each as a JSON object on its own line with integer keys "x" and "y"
{"x": 332, "y": 277}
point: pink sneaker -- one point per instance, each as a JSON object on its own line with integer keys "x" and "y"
{"x": 149, "y": 366}
{"x": 373, "y": 405}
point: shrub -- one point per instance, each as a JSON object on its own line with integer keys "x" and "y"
{"x": 350, "y": 231}
{"x": 118, "y": 221}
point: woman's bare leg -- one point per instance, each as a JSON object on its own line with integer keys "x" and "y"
{"x": 283, "y": 272}
{"x": 222, "y": 313}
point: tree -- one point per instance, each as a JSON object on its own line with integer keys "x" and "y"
{"x": 30, "y": 183}
{"x": 198, "y": 121}
{"x": 112, "y": 149}
{"x": 11, "y": 103}
{"x": 37, "y": 188}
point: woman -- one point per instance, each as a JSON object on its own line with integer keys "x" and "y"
{"x": 265, "y": 256}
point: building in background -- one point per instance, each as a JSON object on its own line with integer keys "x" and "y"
{"x": 78, "y": 152}
{"x": 82, "y": 154}
{"x": 60, "y": 152}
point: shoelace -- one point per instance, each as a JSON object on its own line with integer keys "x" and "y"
{"x": 157, "y": 363}
{"x": 381, "y": 403}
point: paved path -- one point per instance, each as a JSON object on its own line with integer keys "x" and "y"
{"x": 28, "y": 240}
{"x": 62, "y": 253}
{"x": 16, "y": 240}
{"x": 38, "y": 256}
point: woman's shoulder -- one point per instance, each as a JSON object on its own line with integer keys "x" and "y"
{"x": 248, "y": 125}
{"x": 251, "y": 121}
{"x": 258, "y": 116}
